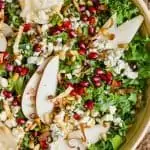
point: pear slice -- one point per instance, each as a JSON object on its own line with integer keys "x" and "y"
{"x": 3, "y": 43}
{"x": 7, "y": 140}
{"x": 92, "y": 134}
{"x": 127, "y": 30}
{"x": 47, "y": 87}
{"x": 28, "y": 98}
{"x": 111, "y": 23}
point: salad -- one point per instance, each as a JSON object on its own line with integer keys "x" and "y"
{"x": 72, "y": 73}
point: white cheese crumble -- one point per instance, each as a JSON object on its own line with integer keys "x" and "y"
{"x": 11, "y": 122}
{"x": 112, "y": 110}
{"x": 3, "y": 82}
{"x": 18, "y": 133}
{"x": 3, "y": 116}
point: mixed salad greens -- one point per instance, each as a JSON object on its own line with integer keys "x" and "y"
{"x": 99, "y": 87}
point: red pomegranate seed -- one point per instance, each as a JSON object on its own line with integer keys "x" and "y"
{"x": 92, "y": 20}
{"x": 72, "y": 33}
{"x": 67, "y": 25}
{"x": 96, "y": 79}
{"x": 103, "y": 77}
{"x": 27, "y": 27}
{"x": 6, "y": 55}
{"x": 91, "y": 30}
{"x": 89, "y": 104}
{"x": 97, "y": 84}
{"x": 82, "y": 8}
{"x": 92, "y": 10}
{"x": 7, "y": 94}
{"x": 2, "y": 4}
{"x": 82, "y": 51}
{"x": 44, "y": 145}
{"x": 82, "y": 45}
{"x": 84, "y": 83}
{"x": 20, "y": 121}
{"x": 37, "y": 47}
{"x": 99, "y": 72}
{"x": 24, "y": 71}
{"x": 93, "y": 55}
{"x": 73, "y": 93}
{"x": 80, "y": 91}
{"x": 76, "y": 116}
{"x": 109, "y": 78}
{"x": 55, "y": 30}
{"x": 17, "y": 69}
{"x": 84, "y": 17}
{"x": 9, "y": 67}
{"x": 15, "y": 103}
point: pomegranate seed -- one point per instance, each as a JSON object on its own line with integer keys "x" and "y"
{"x": 6, "y": 55}
{"x": 82, "y": 45}
{"x": 84, "y": 83}
{"x": 96, "y": 79}
{"x": 109, "y": 78}
{"x": 82, "y": 51}
{"x": 89, "y": 104}
{"x": 92, "y": 20}
{"x": 73, "y": 93}
{"x": 24, "y": 71}
{"x": 7, "y": 94}
{"x": 93, "y": 55}
{"x": 55, "y": 30}
{"x": 15, "y": 103}
{"x": 17, "y": 69}
{"x": 99, "y": 71}
{"x": 80, "y": 91}
{"x": 91, "y": 30}
{"x": 72, "y": 33}
{"x": 43, "y": 144}
{"x": 67, "y": 25}
{"x": 97, "y": 84}
{"x": 76, "y": 116}
{"x": 103, "y": 77}
{"x": 20, "y": 121}
{"x": 116, "y": 84}
{"x": 92, "y": 10}
{"x": 37, "y": 47}
{"x": 82, "y": 8}
{"x": 27, "y": 27}
{"x": 84, "y": 17}
{"x": 9, "y": 67}
{"x": 2, "y": 4}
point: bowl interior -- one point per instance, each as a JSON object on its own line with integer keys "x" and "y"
{"x": 139, "y": 129}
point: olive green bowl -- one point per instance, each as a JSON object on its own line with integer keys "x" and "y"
{"x": 142, "y": 124}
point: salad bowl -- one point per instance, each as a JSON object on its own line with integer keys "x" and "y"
{"x": 138, "y": 131}
{"x": 74, "y": 74}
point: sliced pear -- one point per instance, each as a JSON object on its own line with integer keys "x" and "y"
{"x": 28, "y": 98}
{"x": 127, "y": 30}
{"x": 3, "y": 43}
{"x": 92, "y": 134}
{"x": 7, "y": 140}
{"x": 6, "y": 29}
{"x": 47, "y": 87}
{"x": 111, "y": 24}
